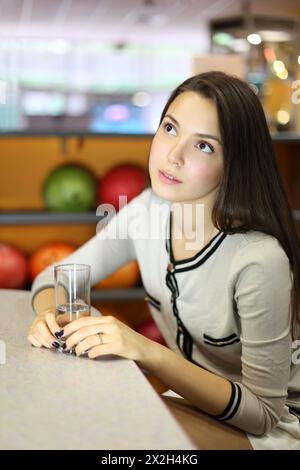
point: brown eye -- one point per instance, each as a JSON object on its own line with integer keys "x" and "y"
{"x": 168, "y": 128}
{"x": 205, "y": 147}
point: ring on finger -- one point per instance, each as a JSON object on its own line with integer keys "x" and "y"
{"x": 100, "y": 337}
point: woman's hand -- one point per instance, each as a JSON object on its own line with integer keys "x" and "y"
{"x": 106, "y": 335}
{"x": 44, "y": 331}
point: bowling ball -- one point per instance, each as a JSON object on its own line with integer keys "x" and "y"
{"x": 13, "y": 267}
{"x": 70, "y": 188}
{"x": 126, "y": 276}
{"x": 123, "y": 180}
{"x": 151, "y": 331}
{"x": 47, "y": 255}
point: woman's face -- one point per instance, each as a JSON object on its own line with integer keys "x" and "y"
{"x": 188, "y": 147}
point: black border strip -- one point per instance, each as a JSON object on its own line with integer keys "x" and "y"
{"x": 202, "y": 260}
{"x": 236, "y": 405}
{"x": 230, "y": 403}
{"x": 294, "y": 412}
{"x": 149, "y": 298}
{"x": 218, "y": 340}
{"x": 236, "y": 340}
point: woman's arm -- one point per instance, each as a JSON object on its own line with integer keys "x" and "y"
{"x": 262, "y": 283}
{"x": 107, "y": 251}
{"x": 207, "y": 391}
{"x": 44, "y": 300}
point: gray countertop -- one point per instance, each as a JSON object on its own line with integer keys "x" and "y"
{"x": 52, "y": 400}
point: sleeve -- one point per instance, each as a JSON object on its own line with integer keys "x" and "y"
{"x": 262, "y": 300}
{"x": 108, "y": 250}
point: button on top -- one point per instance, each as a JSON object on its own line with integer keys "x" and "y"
{"x": 170, "y": 267}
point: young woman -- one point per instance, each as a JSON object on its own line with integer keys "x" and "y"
{"x": 227, "y": 305}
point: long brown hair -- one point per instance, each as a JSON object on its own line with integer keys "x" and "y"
{"x": 257, "y": 199}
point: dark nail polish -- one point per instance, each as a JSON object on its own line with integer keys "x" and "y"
{"x": 58, "y": 334}
{"x": 64, "y": 346}
{"x": 55, "y": 344}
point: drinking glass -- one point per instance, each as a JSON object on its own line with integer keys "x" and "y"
{"x": 72, "y": 292}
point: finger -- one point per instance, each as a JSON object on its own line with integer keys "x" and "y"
{"x": 44, "y": 341}
{"x": 43, "y": 330}
{"x": 86, "y": 321}
{"x": 53, "y": 326}
{"x": 102, "y": 350}
{"x": 39, "y": 337}
{"x": 90, "y": 342}
{"x": 41, "y": 340}
{"x": 87, "y": 331}
{"x": 34, "y": 341}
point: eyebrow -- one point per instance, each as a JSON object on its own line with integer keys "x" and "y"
{"x": 208, "y": 136}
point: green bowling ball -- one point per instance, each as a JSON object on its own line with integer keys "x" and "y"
{"x": 70, "y": 188}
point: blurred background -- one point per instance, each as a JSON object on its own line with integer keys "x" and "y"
{"x": 109, "y": 65}
{"x": 82, "y": 87}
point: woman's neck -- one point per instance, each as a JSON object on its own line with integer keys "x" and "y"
{"x": 192, "y": 221}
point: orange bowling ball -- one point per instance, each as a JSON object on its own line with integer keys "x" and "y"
{"x": 126, "y": 276}
{"x": 48, "y": 254}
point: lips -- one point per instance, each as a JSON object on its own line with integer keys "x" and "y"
{"x": 169, "y": 176}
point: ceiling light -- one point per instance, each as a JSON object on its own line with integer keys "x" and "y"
{"x": 222, "y": 39}
{"x": 254, "y": 39}
{"x": 278, "y": 66}
{"x": 283, "y": 75}
{"x": 275, "y": 36}
{"x": 141, "y": 98}
{"x": 283, "y": 116}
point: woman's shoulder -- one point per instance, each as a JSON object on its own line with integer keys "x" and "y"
{"x": 255, "y": 246}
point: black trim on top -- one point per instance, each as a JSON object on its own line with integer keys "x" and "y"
{"x": 205, "y": 258}
{"x": 220, "y": 345}
{"x": 231, "y": 408}
{"x": 184, "y": 339}
{"x": 229, "y": 405}
{"x": 209, "y": 248}
{"x": 217, "y": 340}
{"x": 239, "y": 391}
{"x": 295, "y": 412}
{"x": 149, "y": 298}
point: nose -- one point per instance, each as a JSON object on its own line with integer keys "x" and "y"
{"x": 175, "y": 156}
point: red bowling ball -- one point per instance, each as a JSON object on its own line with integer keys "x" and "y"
{"x": 123, "y": 180}
{"x": 13, "y": 267}
{"x": 151, "y": 331}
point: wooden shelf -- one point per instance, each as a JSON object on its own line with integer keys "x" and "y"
{"x": 45, "y": 218}
{"x": 136, "y": 293}
{"x": 48, "y": 218}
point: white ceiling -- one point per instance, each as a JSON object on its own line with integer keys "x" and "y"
{"x": 125, "y": 20}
